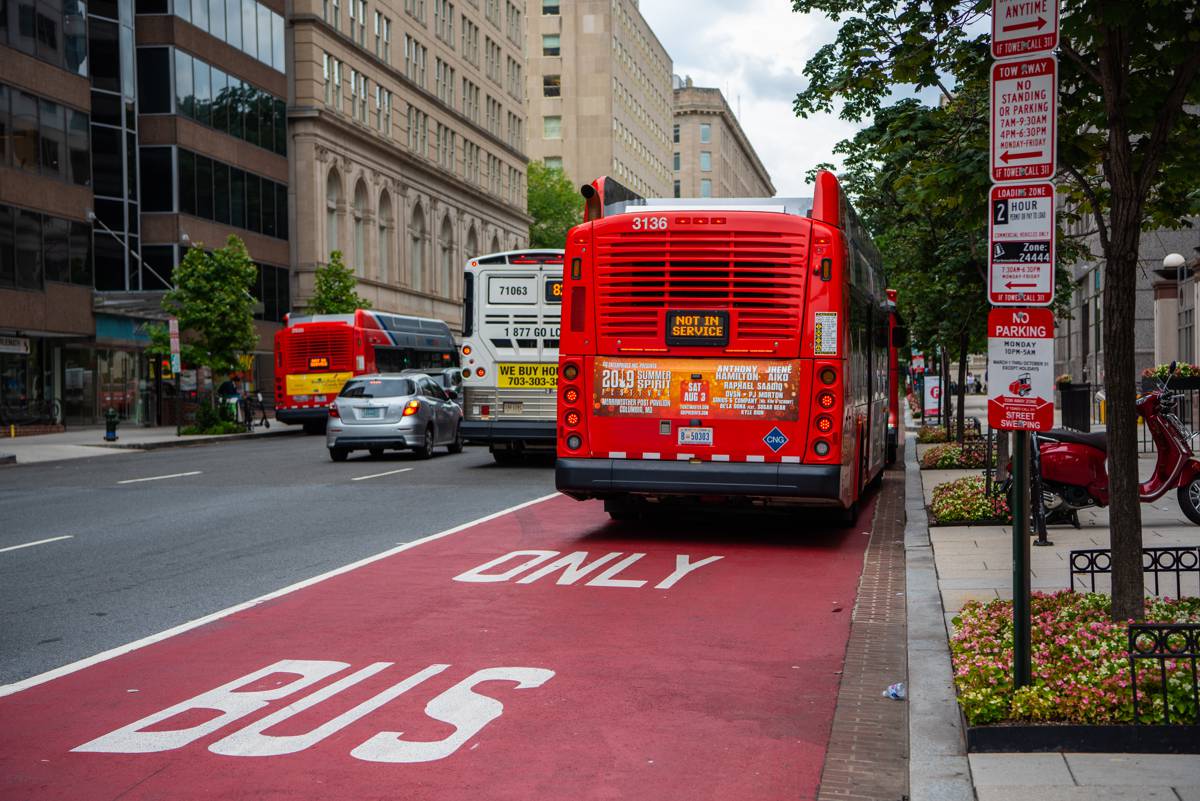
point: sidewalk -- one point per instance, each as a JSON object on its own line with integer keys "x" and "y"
{"x": 79, "y": 443}
{"x": 947, "y": 566}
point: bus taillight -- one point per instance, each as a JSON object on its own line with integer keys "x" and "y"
{"x": 570, "y": 371}
{"x": 466, "y": 350}
{"x": 572, "y": 418}
{"x": 571, "y": 395}
{"x": 826, "y": 399}
{"x": 821, "y": 448}
{"x": 824, "y": 423}
{"x": 828, "y": 376}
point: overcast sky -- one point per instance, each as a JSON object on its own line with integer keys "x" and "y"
{"x": 755, "y": 50}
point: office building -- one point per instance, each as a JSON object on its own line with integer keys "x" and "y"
{"x": 600, "y": 94}
{"x": 407, "y": 130}
{"x": 712, "y": 156}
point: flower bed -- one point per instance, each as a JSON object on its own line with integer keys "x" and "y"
{"x": 965, "y": 500}
{"x": 971, "y": 455}
{"x": 1080, "y": 668}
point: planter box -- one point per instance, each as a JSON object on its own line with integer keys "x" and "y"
{"x": 1127, "y": 739}
{"x": 1190, "y": 382}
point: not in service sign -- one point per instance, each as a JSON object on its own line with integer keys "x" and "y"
{"x": 1020, "y": 375}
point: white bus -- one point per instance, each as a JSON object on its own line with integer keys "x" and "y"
{"x": 512, "y": 304}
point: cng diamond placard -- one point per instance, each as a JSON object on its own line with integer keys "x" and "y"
{"x": 1021, "y": 245}
{"x": 1024, "y": 109}
{"x": 1020, "y": 375}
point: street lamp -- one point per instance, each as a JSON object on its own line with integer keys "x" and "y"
{"x": 92, "y": 218}
{"x": 1176, "y": 262}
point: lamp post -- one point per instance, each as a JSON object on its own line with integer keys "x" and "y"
{"x": 1176, "y": 262}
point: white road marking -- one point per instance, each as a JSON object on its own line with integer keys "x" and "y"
{"x": 66, "y": 670}
{"x": 38, "y": 542}
{"x": 381, "y": 475}
{"x": 160, "y": 478}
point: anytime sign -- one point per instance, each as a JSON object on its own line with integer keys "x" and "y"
{"x": 1021, "y": 369}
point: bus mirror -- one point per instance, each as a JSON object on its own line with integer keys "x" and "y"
{"x": 900, "y": 336}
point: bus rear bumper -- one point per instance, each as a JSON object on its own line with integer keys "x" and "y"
{"x": 591, "y": 478}
{"x": 488, "y": 432}
{"x": 293, "y": 416}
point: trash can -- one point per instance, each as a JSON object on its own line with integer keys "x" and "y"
{"x": 1076, "y": 406}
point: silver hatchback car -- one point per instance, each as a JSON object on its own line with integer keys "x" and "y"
{"x": 393, "y": 412}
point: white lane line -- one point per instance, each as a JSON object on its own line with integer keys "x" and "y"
{"x": 381, "y": 475}
{"x": 38, "y": 542}
{"x": 160, "y": 478}
{"x": 66, "y": 670}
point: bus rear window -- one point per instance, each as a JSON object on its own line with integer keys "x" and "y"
{"x": 377, "y": 388}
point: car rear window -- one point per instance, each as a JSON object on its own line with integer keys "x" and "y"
{"x": 377, "y": 388}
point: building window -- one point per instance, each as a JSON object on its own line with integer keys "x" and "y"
{"x": 383, "y": 38}
{"x": 676, "y": 135}
{"x": 43, "y": 136}
{"x": 249, "y": 25}
{"x": 676, "y": 162}
{"x": 553, "y": 162}
{"x": 705, "y": 188}
{"x": 677, "y": 189}
{"x": 37, "y": 247}
{"x": 333, "y": 196}
{"x": 551, "y": 85}
{"x": 550, "y": 7}
{"x": 446, "y": 252}
{"x": 550, "y": 46}
{"x": 416, "y": 258}
{"x": 209, "y": 96}
{"x": 552, "y": 127}
{"x": 705, "y": 161}
{"x": 705, "y": 133}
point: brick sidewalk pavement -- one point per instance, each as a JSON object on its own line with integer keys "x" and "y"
{"x": 867, "y": 758}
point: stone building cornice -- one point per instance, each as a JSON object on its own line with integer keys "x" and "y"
{"x": 688, "y": 100}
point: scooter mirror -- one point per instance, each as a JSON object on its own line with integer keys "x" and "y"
{"x": 1172, "y": 369}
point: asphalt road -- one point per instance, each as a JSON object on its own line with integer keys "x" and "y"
{"x": 249, "y": 518}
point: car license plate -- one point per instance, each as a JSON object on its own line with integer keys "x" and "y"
{"x": 513, "y": 407}
{"x": 689, "y": 435}
{"x": 370, "y": 414}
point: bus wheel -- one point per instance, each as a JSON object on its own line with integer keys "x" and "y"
{"x": 456, "y": 445}
{"x": 338, "y": 454}
{"x": 623, "y": 508}
{"x": 315, "y": 426}
{"x": 426, "y": 449}
{"x": 848, "y": 517}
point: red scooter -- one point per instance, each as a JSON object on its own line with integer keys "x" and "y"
{"x": 1074, "y": 475}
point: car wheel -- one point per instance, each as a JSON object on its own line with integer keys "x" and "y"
{"x": 339, "y": 454}
{"x": 426, "y": 449}
{"x": 456, "y": 445}
{"x": 376, "y": 453}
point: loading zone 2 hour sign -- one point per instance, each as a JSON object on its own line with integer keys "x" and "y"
{"x": 1020, "y": 375}
{"x": 1021, "y": 245}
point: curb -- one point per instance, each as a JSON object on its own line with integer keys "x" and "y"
{"x": 186, "y": 443}
{"x": 938, "y": 766}
{"x": 7, "y": 458}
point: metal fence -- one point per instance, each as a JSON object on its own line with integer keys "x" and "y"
{"x": 30, "y": 413}
{"x": 1173, "y": 649}
{"x": 1188, "y": 410}
{"x": 1158, "y": 565}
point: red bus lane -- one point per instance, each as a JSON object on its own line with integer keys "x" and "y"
{"x": 547, "y": 653}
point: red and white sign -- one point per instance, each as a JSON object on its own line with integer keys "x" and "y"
{"x": 933, "y": 396}
{"x": 1024, "y": 112}
{"x": 918, "y": 361}
{"x": 1021, "y": 245}
{"x": 1024, "y": 27}
{"x": 1021, "y": 369}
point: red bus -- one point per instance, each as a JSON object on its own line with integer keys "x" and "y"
{"x": 897, "y": 337}
{"x": 733, "y": 350}
{"x": 316, "y": 354}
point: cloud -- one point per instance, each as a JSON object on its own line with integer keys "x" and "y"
{"x": 755, "y": 52}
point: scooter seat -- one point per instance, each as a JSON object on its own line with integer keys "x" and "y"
{"x": 1098, "y": 440}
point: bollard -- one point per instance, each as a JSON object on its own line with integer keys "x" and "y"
{"x": 110, "y": 425}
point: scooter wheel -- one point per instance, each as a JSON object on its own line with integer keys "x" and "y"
{"x": 1189, "y": 499}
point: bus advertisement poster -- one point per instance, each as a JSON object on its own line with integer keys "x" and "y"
{"x": 701, "y": 388}
{"x": 1021, "y": 369}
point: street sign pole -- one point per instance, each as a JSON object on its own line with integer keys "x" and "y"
{"x": 176, "y": 368}
{"x": 1022, "y": 662}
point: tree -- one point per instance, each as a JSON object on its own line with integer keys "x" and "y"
{"x": 333, "y": 290}
{"x": 555, "y": 205}
{"x": 213, "y": 304}
{"x": 1126, "y": 154}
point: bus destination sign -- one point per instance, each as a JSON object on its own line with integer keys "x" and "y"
{"x": 694, "y": 327}
{"x": 1021, "y": 369}
{"x": 697, "y": 388}
{"x": 1021, "y": 245}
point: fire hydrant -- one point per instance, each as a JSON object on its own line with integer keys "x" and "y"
{"x": 110, "y": 425}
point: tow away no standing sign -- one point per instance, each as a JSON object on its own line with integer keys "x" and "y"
{"x": 1024, "y": 111}
{"x": 1021, "y": 245}
{"x": 1020, "y": 375}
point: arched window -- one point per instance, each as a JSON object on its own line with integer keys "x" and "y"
{"x": 472, "y": 244}
{"x": 416, "y": 258}
{"x": 360, "y": 227}
{"x": 495, "y": 244}
{"x": 446, "y": 255}
{"x": 333, "y": 196}
{"x": 385, "y": 237}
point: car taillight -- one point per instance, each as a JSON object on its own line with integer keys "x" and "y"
{"x": 333, "y": 410}
{"x": 412, "y": 407}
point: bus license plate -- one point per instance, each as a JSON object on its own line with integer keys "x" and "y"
{"x": 527, "y": 376}
{"x": 695, "y": 436}
{"x": 513, "y": 407}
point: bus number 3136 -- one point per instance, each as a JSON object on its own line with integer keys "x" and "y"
{"x": 529, "y": 331}
{"x": 649, "y": 223}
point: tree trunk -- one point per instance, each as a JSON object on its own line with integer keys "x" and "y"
{"x": 945, "y": 397}
{"x": 963, "y": 344}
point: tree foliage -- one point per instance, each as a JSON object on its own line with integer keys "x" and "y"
{"x": 1127, "y": 152}
{"x": 213, "y": 304}
{"x": 555, "y": 205}
{"x": 334, "y": 289}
